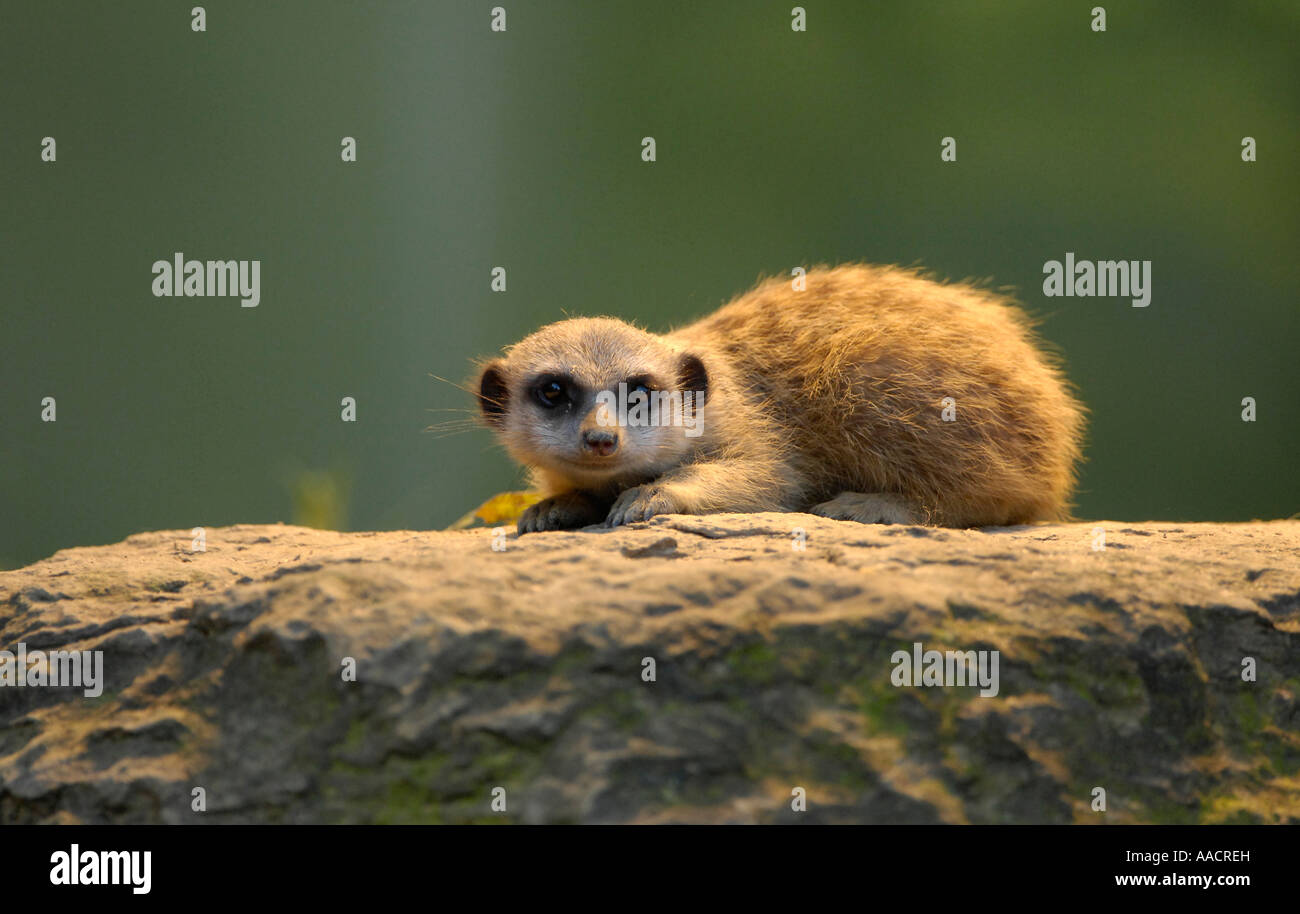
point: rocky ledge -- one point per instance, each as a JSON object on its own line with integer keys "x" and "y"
{"x": 732, "y": 668}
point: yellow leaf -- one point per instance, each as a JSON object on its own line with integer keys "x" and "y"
{"x": 498, "y": 510}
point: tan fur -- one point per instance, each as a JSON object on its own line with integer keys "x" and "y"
{"x": 829, "y": 400}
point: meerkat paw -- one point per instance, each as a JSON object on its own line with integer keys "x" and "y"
{"x": 876, "y": 508}
{"x": 642, "y": 503}
{"x": 565, "y": 511}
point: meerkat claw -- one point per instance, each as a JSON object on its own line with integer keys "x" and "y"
{"x": 566, "y": 511}
{"x": 639, "y": 504}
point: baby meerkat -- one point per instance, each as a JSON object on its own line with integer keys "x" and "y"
{"x": 875, "y": 395}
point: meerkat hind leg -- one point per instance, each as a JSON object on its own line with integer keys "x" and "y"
{"x": 874, "y": 508}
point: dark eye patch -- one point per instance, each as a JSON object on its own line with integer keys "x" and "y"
{"x": 553, "y": 391}
{"x": 641, "y": 382}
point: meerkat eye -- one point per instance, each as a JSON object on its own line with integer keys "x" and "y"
{"x": 639, "y": 384}
{"x": 551, "y": 394}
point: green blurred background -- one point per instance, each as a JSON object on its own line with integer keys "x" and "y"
{"x": 522, "y": 150}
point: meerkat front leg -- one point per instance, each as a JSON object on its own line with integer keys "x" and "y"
{"x": 873, "y": 508}
{"x": 566, "y": 511}
{"x": 741, "y": 485}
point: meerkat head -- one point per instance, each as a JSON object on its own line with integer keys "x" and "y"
{"x": 595, "y": 401}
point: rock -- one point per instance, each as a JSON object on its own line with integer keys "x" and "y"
{"x": 1119, "y": 668}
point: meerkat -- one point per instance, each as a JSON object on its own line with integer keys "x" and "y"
{"x": 874, "y": 395}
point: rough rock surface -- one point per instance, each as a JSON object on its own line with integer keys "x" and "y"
{"x": 1120, "y": 668}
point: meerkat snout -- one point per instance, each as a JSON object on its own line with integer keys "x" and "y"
{"x": 601, "y": 442}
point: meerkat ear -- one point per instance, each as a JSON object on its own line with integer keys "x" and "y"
{"x": 493, "y": 395}
{"x": 692, "y": 375}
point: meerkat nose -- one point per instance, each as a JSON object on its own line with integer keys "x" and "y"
{"x": 600, "y": 442}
